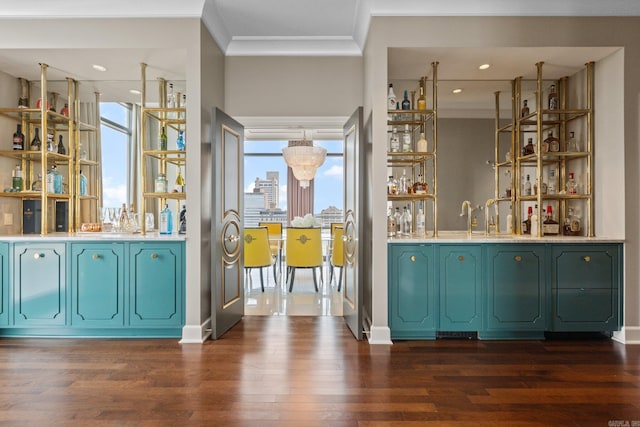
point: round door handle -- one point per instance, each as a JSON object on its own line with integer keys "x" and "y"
{"x": 460, "y": 258}
{"x": 95, "y": 256}
{"x": 38, "y": 256}
{"x": 587, "y": 258}
{"x": 154, "y": 255}
{"x": 518, "y": 258}
{"x": 413, "y": 258}
{"x": 232, "y": 238}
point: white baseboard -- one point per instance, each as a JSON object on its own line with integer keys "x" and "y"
{"x": 380, "y": 335}
{"x": 628, "y": 335}
{"x": 196, "y": 334}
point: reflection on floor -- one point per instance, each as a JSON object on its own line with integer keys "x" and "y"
{"x": 302, "y": 301}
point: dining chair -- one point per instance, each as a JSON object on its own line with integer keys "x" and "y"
{"x": 274, "y": 230}
{"x": 304, "y": 250}
{"x": 257, "y": 253}
{"x": 337, "y": 255}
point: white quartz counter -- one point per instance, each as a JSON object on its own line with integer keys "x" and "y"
{"x": 455, "y": 236}
{"x": 87, "y": 236}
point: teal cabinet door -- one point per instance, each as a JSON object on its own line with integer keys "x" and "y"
{"x": 39, "y": 284}
{"x": 412, "y": 305}
{"x": 460, "y": 278}
{"x": 4, "y": 284}
{"x": 156, "y": 284}
{"x": 97, "y": 284}
{"x": 516, "y": 296}
{"x": 585, "y": 281}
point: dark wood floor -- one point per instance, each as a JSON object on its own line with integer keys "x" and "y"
{"x": 304, "y": 371}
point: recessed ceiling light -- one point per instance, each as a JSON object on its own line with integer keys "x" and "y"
{"x": 99, "y": 67}
{"x": 135, "y": 91}
{"x": 458, "y": 90}
{"x": 484, "y": 66}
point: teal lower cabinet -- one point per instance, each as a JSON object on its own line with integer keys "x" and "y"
{"x": 97, "y": 285}
{"x": 412, "y": 297}
{"x": 39, "y": 284}
{"x": 156, "y": 284}
{"x": 585, "y": 286}
{"x": 516, "y": 297}
{"x": 4, "y": 284}
{"x": 460, "y": 280}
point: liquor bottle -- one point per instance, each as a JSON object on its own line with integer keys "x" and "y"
{"x": 51, "y": 175}
{"x": 422, "y": 100}
{"x": 572, "y": 143}
{"x": 23, "y": 101}
{"x": 525, "y": 109}
{"x": 420, "y": 187}
{"x": 552, "y": 142}
{"x": 171, "y": 99}
{"x": 123, "y": 221}
{"x": 182, "y": 225}
{"x": 403, "y": 222}
{"x": 406, "y": 139}
{"x": 572, "y": 185}
{"x": 550, "y": 225}
{"x": 402, "y": 184}
{"x": 36, "y": 144}
{"x": 421, "y": 145}
{"x": 552, "y": 188}
{"x": 57, "y": 181}
{"x": 529, "y": 148}
{"x": 534, "y": 221}
{"x": 392, "y": 185}
{"x": 527, "y": 187}
{"x": 398, "y": 217}
{"x": 37, "y": 184}
{"x": 18, "y": 138}
{"x": 406, "y": 104}
{"x": 180, "y": 144}
{"x": 52, "y": 147}
{"x": 394, "y": 141}
{"x": 391, "y": 224}
{"x": 509, "y": 222}
{"x": 166, "y": 220}
{"x": 526, "y": 224}
{"x": 391, "y": 98}
{"x": 162, "y": 140}
{"x": 420, "y": 223}
{"x": 83, "y": 152}
{"x": 61, "y": 149}
{"x": 545, "y": 145}
{"x": 572, "y": 224}
{"x": 83, "y": 184}
{"x": 180, "y": 182}
{"x": 553, "y": 98}
{"x": 408, "y": 221}
{"x": 17, "y": 180}
{"x": 160, "y": 184}
{"x": 65, "y": 110}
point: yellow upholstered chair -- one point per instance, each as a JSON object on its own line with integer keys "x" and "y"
{"x": 275, "y": 243}
{"x": 303, "y": 250}
{"x": 337, "y": 255}
{"x": 257, "y": 253}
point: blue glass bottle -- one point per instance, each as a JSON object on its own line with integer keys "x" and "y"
{"x": 57, "y": 182}
{"x": 180, "y": 144}
{"x": 166, "y": 220}
{"x": 83, "y": 184}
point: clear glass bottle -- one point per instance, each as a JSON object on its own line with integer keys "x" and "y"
{"x": 52, "y": 147}
{"x": 552, "y": 188}
{"x": 37, "y": 184}
{"x": 83, "y": 152}
{"x": 394, "y": 141}
{"x": 408, "y": 221}
{"x": 83, "y": 184}
{"x": 527, "y": 186}
{"x": 572, "y": 223}
{"x": 51, "y": 174}
{"x": 36, "y": 144}
{"x": 552, "y": 98}
{"x": 171, "y": 98}
{"x": 572, "y": 185}
{"x": 402, "y": 183}
{"x": 57, "y": 181}
{"x": 180, "y": 182}
{"x": 525, "y": 108}
{"x": 420, "y": 223}
{"x": 391, "y": 224}
{"x": 180, "y": 144}
{"x": 17, "y": 181}
{"x": 391, "y": 98}
{"x": 18, "y": 138}
{"x": 406, "y": 140}
{"x": 123, "y": 220}
{"x": 572, "y": 143}
{"x": 398, "y": 217}
{"x": 160, "y": 183}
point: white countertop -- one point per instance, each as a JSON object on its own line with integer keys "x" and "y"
{"x": 87, "y": 236}
{"x": 456, "y": 236}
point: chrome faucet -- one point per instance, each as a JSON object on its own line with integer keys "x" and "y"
{"x": 489, "y": 221}
{"x": 468, "y": 213}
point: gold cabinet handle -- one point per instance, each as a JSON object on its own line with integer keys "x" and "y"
{"x": 413, "y": 258}
{"x": 518, "y": 258}
{"x": 587, "y": 258}
{"x": 460, "y": 258}
{"x": 38, "y": 256}
{"x": 154, "y": 255}
{"x": 95, "y": 256}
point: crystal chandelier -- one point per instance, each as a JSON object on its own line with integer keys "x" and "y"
{"x": 304, "y": 158}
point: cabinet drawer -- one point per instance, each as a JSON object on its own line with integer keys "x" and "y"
{"x": 585, "y": 309}
{"x": 584, "y": 266}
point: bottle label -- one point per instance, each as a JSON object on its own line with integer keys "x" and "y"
{"x": 550, "y": 228}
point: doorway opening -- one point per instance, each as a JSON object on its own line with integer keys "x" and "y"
{"x": 271, "y": 195}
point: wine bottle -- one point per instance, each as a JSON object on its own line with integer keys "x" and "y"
{"x": 422, "y": 101}
{"x": 61, "y": 149}
{"x": 18, "y": 138}
{"x": 35, "y": 142}
{"x": 525, "y": 109}
{"x": 553, "y": 98}
{"x": 406, "y": 104}
{"x": 162, "y": 140}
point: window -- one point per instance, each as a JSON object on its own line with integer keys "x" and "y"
{"x": 115, "y": 128}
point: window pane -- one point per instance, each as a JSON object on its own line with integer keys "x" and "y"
{"x": 114, "y": 112}
{"x": 114, "y": 161}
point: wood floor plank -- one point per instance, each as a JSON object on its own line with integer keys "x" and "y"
{"x": 309, "y": 371}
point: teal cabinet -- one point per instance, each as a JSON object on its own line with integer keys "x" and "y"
{"x": 412, "y": 302}
{"x": 516, "y": 297}
{"x": 4, "y": 284}
{"x": 156, "y": 284}
{"x": 39, "y": 284}
{"x": 460, "y": 280}
{"x": 97, "y": 284}
{"x": 585, "y": 287}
